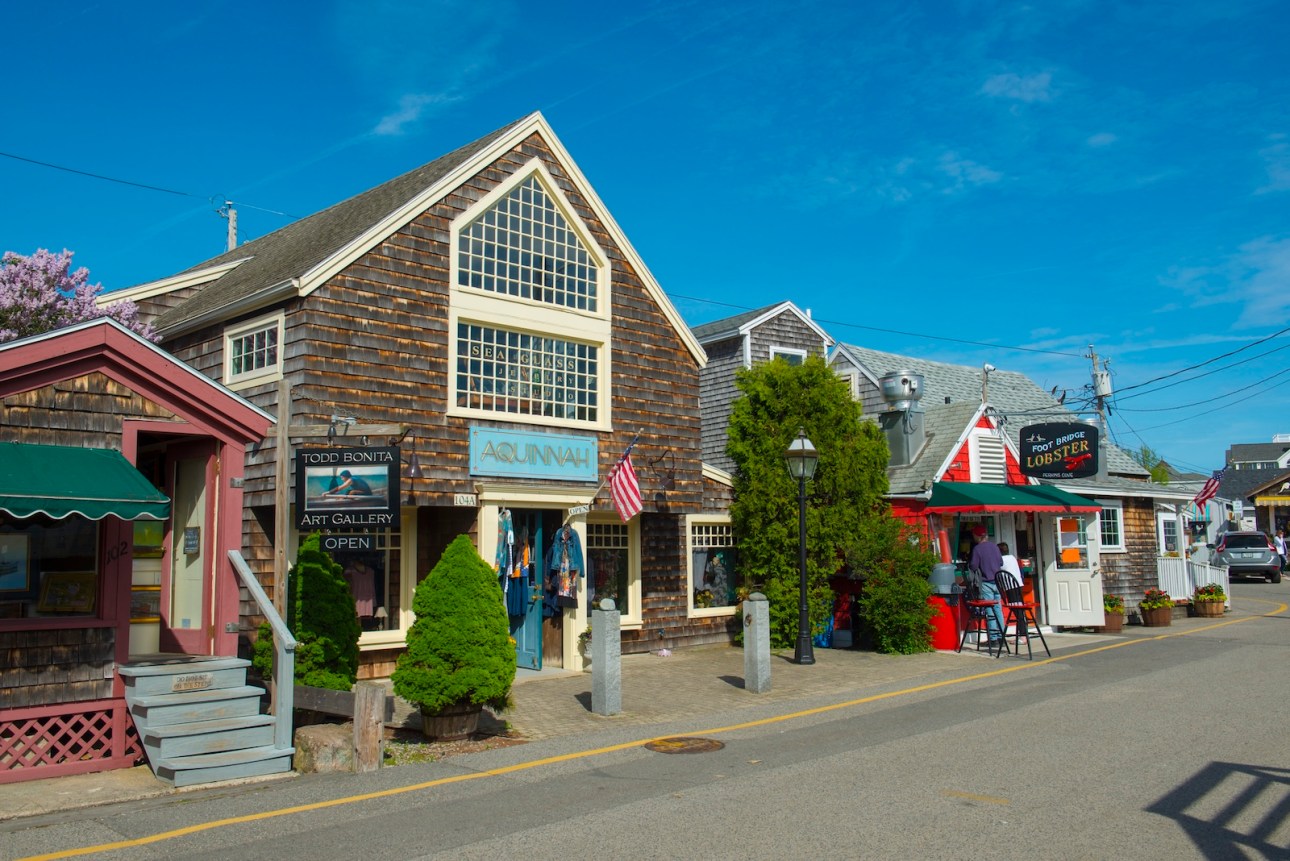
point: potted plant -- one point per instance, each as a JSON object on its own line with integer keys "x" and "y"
{"x": 1156, "y": 608}
{"x": 1113, "y": 613}
{"x": 1209, "y": 600}
{"x": 460, "y": 656}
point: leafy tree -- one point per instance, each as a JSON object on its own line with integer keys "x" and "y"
{"x": 849, "y": 484}
{"x": 41, "y": 293}
{"x": 320, "y": 614}
{"x": 1152, "y": 462}
{"x": 459, "y": 648}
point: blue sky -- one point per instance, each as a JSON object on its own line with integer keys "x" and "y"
{"x": 918, "y": 174}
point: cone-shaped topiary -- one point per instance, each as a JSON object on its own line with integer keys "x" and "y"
{"x": 320, "y": 614}
{"x": 459, "y": 648}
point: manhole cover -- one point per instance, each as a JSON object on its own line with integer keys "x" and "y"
{"x": 681, "y": 744}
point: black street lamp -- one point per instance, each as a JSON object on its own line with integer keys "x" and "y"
{"x": 802, "y": 458}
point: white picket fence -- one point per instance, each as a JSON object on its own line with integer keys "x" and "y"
{"x": 1180, "y": 577}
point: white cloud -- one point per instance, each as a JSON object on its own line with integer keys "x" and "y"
{"x": 411, "y": 107}
{"x": 1101, "y": 139}
{"x": 1022, "y": 88}
{"x": 1276, "y": 158}
{"x": 1255, "y": 277}
{"x": 965, "y": 172}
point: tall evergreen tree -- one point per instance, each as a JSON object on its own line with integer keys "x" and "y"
{"x": 850, "y": 481}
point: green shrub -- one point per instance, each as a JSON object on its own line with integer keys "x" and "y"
{"x": 783, "y": 604}
{"x": 323, "y": 621}
{"x": 893, "y": 601}
{"x": 459, "y": 648}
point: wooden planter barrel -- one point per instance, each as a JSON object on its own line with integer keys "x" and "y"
{"x": 452, "y": 723}
{"x": 1114, "y": 623}
{"x": 1208, "y": 608}
{"x": 1159, "y": 617}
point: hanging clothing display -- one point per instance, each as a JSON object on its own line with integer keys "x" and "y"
{"x": 519, "y": 583}
{"x": 504, "y": 561}
{"x": 564, "y": 566}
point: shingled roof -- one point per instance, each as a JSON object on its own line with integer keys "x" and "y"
{"x": 289, "y": 253}
{"x": 1015, "y": 396}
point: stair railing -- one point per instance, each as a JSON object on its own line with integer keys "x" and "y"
{"x": 284, "y": 653}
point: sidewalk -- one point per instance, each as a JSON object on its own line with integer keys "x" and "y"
{"x": 690, "y": 683}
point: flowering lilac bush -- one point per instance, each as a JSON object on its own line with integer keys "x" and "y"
{"x": 41, "y": 292}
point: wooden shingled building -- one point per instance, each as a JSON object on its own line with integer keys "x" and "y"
{"x": 476, "y": 343}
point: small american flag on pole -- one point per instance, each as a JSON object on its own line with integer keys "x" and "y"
{"x": 1210, "y": 489}
{"x": 624, "y": 488}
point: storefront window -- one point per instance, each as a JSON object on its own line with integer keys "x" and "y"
{"x": 49, "y": 568}
{"x": 714, "y": 574}
{"x": 1072, "y": 543}
{"x": 370, "y": 565}
{"x": 609, "y": 564}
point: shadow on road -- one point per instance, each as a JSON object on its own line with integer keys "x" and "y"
{"x": 1227, "y": 807}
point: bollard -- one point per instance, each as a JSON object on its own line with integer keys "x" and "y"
{"x": 369, "y": 726}
{"x": 757, "y": 643}
{"x": 606, "y": 659}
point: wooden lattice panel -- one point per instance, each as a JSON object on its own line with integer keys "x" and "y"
{"x": 68, "y": 739}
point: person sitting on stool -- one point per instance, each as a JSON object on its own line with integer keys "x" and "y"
{"x": 987, "y": 562}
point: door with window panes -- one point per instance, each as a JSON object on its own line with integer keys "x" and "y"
{"x": 1072, "y": 579}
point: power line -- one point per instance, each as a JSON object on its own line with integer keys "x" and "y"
{"x": 1214, "y": 371}
{"x": 1202, "y": 364}
{"x": 78, "y": 172}
{"x": 1239, "y": 393}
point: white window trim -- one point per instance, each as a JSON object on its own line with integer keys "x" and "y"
{"x": 261, "y": 375}
{"x": 468, "y": 305}
{"x": 634, "y": 619}
{"x": 787, "y": 351}
{"x": 692, "y": 612}
{"x": 397, "y": 636}
{"x": 1118, "y": 506}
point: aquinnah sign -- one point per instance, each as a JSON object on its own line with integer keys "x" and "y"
{"x": 347, "y": 488}
{"x": 521, "y": 454}
{"x": 1059, "y": 450}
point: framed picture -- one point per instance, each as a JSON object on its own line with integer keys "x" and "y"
{"x": 67, "y": 591}
{"x": 145, "y": 604}
{"x": 13, "y": 562}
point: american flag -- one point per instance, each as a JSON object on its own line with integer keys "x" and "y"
{"x": 624, "y": 488}
{"x": 1210, "y": 490}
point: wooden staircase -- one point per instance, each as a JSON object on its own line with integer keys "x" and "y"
{"x": 199, "y": 721}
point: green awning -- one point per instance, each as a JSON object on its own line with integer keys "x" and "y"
{"x": 59, "y": 481}
{"x": 957, "y": 497}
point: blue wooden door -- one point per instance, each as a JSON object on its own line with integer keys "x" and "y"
{"x": 531, "y": 532}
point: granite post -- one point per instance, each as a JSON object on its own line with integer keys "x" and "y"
{"x": 606, "y": 659}
{"x": 756, "y": 643}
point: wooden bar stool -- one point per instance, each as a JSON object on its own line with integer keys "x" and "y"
{"x": 978, "y": 623}
{"x": 1019, "y": 613}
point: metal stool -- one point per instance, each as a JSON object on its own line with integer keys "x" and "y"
{"x": 1019, "y": 613}
{"x": 977, "y": 623}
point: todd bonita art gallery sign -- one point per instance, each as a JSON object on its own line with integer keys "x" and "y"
{"x": 347, "y": 488}
{"x": 1059, "y": 450}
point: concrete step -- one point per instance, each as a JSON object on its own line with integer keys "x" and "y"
{"x": 178, "y": 675}
{"x": 214, "y": 704}
{"x": 230, "y": 765}
{"x": 207, "y": 736}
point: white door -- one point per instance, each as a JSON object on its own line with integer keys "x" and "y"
{"x": 1072, "y": 579}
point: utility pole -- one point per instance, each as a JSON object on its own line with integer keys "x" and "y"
{"x": 227, "y": 211}
{"x": 1101, "y": 392}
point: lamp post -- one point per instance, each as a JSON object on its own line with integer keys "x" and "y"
{"x": 802, "y": 458}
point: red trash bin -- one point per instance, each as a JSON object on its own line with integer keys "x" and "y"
{"x": 945, "y": 624}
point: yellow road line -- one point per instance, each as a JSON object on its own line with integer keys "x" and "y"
{"x": 628, "y": 745}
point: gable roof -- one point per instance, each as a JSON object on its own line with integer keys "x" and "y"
{"x": 105, "y": 346}
{"x": 300, "y": 257}
{"x": 1258, "y": 452}
{"x": 1014, "y": 395}
{"x": 744, "y": 322}
{"x": 945, "y": 426}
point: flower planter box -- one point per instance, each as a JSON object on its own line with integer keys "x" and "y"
{"x": 1114, "y": 624}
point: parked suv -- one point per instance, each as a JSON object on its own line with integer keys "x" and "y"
{"x": 1248, "y": 554}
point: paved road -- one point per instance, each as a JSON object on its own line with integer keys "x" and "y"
{"x": 1157, "y": 745}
